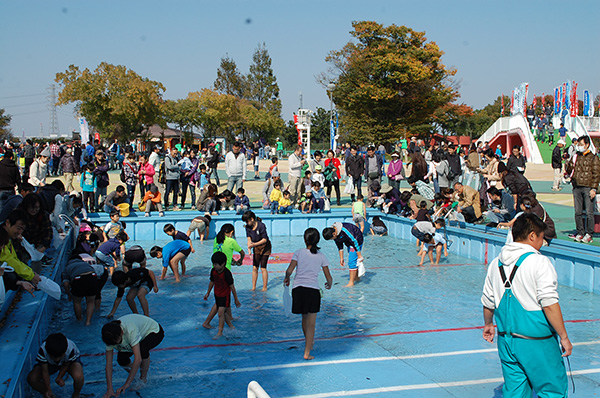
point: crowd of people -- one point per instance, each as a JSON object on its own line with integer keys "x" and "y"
{"x": 443, "y": 181}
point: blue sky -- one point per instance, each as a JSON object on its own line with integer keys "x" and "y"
{"x": 493, "y": 45}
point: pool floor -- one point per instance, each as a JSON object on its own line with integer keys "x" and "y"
{"x": 403, "y": 331}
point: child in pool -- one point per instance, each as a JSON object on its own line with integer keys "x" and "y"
{"x": 436, "y": 242}
{"x": 222, "y": 280}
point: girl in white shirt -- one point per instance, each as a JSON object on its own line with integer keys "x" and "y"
{"x": 306, "y": 297}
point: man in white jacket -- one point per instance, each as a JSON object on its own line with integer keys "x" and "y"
{"x": 295, "y": 163}
{"x": 39, "y": 169}
{"x": 235, "y": 167}
{"x": 520, "y": 291}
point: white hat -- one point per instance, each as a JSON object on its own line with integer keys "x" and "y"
{"x": 561, "y": 141}
{"x": 46, "y": 152}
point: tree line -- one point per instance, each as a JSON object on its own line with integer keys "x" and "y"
{"x": 388, "y": 82}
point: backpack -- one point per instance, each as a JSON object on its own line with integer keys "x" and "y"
{"x": 122, "y": 175}
{"x": 162, "y": 174}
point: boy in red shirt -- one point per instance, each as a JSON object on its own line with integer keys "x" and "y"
{"x": 222, "y": 280}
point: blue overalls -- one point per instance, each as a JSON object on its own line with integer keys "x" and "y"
{"x": 527, "y": 346}
{"x": 352, "y": 251}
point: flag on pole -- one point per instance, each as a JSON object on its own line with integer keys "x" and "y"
{"x": 573, "y": 99}
{"x": 586, "y": 103}
{"x": 557, "y": 100}
{"x": 534, "y": 101}
{"x": 512, "y": 102}
{"x": 502, "y": 105}
{"x": 84, "y": 131}
{"x": 543, "y": 105}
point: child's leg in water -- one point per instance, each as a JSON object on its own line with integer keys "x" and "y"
{"x": 183, "y": 268}
{"x": 430, "y": 253}
{"x": 438, "y": 253}
{"x": 308, "y": 328}
{"x": 209, "y": 318}
{"x": 221, "y": 311}
{"x": 228, "y": 318}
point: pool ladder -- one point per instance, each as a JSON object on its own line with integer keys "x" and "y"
{"x": 256, "y": 391}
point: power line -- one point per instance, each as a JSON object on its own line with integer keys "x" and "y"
{"x": 23, "y": 96}
{"x": 32, "y": 103}
{"x": 29, "y": 113}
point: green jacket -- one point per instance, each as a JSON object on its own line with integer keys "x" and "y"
{"x": 9, "y": 256}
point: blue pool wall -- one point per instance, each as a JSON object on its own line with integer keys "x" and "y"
{"x": 29, "y": 323}
{"x": 577, "y": 265}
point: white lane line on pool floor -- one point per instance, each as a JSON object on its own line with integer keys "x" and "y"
{"x": 303, "y": 364}
{"x": 425, "y": 386}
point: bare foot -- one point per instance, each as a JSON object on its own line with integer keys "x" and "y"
{"x": 88, "y": 323}
{"x": 264, "y": 289}
{"x": 349, "y": 284}
{"x": 177, "y": 280}
{"x": 218, "y": 335}
{"x": 309, "y": 357}
{"x": 206, "y": 325}
{"x": 253, "y": 288}
{"x": 162, "y": 278}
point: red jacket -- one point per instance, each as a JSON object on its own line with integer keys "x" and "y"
{"x": 336, "y": 163}
{"x": 149, "y": 173}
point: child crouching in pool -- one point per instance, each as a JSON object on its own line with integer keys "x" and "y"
{"x": 437, "y": 242}
{"x": 222, "y": 280}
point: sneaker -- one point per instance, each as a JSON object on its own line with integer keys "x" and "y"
{"x": 586, "y": 239}
{"x": 161, "y": 214}
{"x": 147, "y": 215}
{"x": 576, "y": 237}
{"x": 176, "y": 208}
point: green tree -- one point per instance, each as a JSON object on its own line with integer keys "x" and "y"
{"x": 219, "y": 114}
{"x": 183, "y": 113}
{"x": 116, "y": 101}
{"x": 262, "y": 88}
{"x": 319, "y": 126}
{"x": 389, "y": 79}
{"x": 229, "y": 79}
{"x": 5, "y": 131}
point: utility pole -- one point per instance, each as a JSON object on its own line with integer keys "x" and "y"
{"x": 52, "y": 108}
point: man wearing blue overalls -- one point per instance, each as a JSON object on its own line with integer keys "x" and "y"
{"x": 520, "y": 290}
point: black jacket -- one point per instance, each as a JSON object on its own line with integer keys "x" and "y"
{"x": 9, "y": 175}
{"x": 355, "y": 166}
{"x": 514, "y": 162}
{"x": 516, "y": 183}
{"x": 454, "y": 163}
{"x": 556, "y": 158}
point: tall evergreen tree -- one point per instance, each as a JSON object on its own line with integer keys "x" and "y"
{"x": 263, "y": 90}
{"x": 229, "y": 79}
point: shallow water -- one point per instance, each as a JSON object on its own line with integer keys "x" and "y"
{"x": 396, "y": 312}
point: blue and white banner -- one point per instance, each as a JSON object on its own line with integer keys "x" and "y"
{"x": 84, "y": 130}
{"x": 556, "y": 101}
{"x": 332, "y": 134}
{"x": 568, "y": 95}
{"x": 586, "y": 103}
{"x": 520, "y": 99}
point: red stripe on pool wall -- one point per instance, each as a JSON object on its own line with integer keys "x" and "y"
{"x": 486, "y": 252}
{"x": 351, "y": 336}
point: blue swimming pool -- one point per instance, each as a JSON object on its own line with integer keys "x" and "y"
{"x": 403, "y": 331}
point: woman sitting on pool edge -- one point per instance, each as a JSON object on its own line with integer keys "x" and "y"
{"x": 306, "y": 297}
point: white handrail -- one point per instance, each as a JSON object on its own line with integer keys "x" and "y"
{"x": 256, "y": 391}
{"x": 516, "y": 123}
